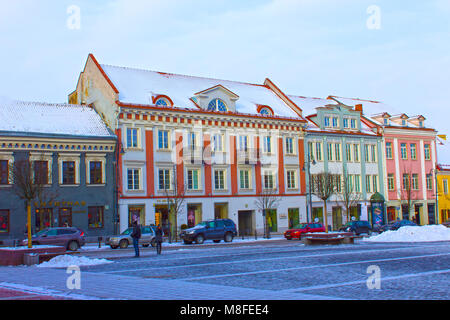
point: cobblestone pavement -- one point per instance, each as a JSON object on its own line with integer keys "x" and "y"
{"x": 277, "y": 270}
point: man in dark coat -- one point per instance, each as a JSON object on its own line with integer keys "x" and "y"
{"x": 136, "y": 235}
{"x": 158, "y": 238}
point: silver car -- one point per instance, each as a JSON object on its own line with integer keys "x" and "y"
{"x": 124, "y": 239}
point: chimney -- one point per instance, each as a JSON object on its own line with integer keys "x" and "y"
{"x": 359, "y": 107}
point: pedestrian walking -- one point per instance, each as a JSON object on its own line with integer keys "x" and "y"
{"x": 136, "y": 235}
{"x": 158, "y": 238}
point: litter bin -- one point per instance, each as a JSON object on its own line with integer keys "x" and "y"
{"x": 30, "y": 259}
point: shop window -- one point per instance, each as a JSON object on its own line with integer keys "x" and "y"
{"x": 43, "y": 218}
{"x": 95, "y": 217}
{"x": 65, "y": 217}
{"x": 4, "y": 221}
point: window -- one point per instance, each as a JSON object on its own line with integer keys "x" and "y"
{"x": 405, "y": 181}
{"x": 162, "y": 102}
{"x": 348, "y": 152}
{"x": 337, "y": 151}
{"x": 267, "y": 147}
{"x": 427, "y": 152}
{"x": 163, "y": 139}
{"x": 318, "y": 151}
{"x": 291, "y": 179}
{"x": 356, "y": 152}
{"x": 164, "y": 179}
{"x": 415, "y": 181}
{"x": 132, "y": 138}
{"x": 4, "y": 172}
{"x": 391, "y": 182}
{"x": 386, "y": 121}
{"x": 357, "y": 186}
{"x": 133, "y": 179}
{"x": 445, "y": 185}
{"x": 192, "y": 141}
{"x": 429, "y": 182}
{"x": 219, "y": 179}
{"x": 375, "y": 183}
{"x": 413, "y": 151}
{"x": 366, "y": 153}
{"x": 403, "y": 122}
{"x": 335, "y": 122}
{"x": 68, "y": 172}
{"x": 4, "y": 221}
{"x": 265, "y": 112}
{"x": 404, "y": 151}
{"x": 95, "y": 172}
{"x": 388, "y": 150}
{"x": 95, "y": 217}
{"x": 338, "y": 181}
{"x": 289, "y": 145}
{"x": 368, "y": 190}
{"x": 217, "y": 105}
{"x": 243, "y": 143}
{"x": 40, "y": 172}
{"x": 244, "y": 181}
{"x": 327, "y": 121}
{"x": 330, "y": 151}
{"x": 353, "y": 123}
{"x": 373, "y": 153}
{"x": 193, "y": 179}
{"x": 345, "y": 122}
{"x": 268, "y": 180}
{"x": 218, "y": 143}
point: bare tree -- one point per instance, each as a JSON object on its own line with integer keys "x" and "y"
{"x": 408, "y": 192}
{"x": 29, "y": 185}
{"x": 175, "y": 202}
{"x": 267, "y": 200}
{"x": 324, "y": 185}
{"x": 348, "y": 194}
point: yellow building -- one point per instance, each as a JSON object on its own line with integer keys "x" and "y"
{"x": 443, "y": 179}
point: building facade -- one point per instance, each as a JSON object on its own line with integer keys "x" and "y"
{"x": 71, "y": 155}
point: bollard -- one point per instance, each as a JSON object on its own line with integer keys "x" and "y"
{"x": 100, "y": 242}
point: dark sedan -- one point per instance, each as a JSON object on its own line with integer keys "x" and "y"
{"x": 393, "y": 226}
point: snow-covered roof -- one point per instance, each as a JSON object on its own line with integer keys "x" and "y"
{"x": 138, "y": 86}
{"x": 49, "y": 118}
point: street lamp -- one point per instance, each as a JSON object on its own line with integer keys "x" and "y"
{"x": 436, "y": 218}
{"x": 309, "y": 197}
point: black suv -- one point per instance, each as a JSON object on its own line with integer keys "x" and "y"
{"x": 357, "y": 227}
{"x": 216, "y": 230}
{"x": 394, "y": 225}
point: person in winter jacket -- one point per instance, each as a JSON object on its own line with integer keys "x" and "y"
{"x": 158, "y": 238}
{"x": 136, "y": 235}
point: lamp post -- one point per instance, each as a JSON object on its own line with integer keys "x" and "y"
{"x": 436, "y": 218}
{"x": 309, "y": 197}
{"x": 119, "y": 152}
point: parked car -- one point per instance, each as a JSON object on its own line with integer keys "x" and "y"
{"x": 357, "y": 227}
{"x": 72, "y": 238}
{"x": 393, "y": 225}
{"x": 124, "y": 240}
{"x": 298, "y": 230}
{"x": 216, "y": 230}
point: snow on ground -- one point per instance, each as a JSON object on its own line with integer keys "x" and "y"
{"x": 413, "y": 234}
{"x": 26, "y": 247}
{"x": 65, "y": 261}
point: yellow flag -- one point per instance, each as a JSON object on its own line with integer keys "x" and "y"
{"x": 443, "y": 136}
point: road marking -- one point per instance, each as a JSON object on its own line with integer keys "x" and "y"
{"x": 309, "y": 267}
{"x": 256, "y": 260}
{"x": 327, "y": 286}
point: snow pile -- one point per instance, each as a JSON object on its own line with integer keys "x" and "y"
{"x": 69, "y": 260}
{"x": 414, "y": 234}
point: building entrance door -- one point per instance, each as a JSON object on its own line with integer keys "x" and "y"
{"x": 293, "y": 216}
{"x": 245, "y": 222}
{"x": 431, "y": 214}
{"x": 221, "y": 211}
{"x": 337, "y": 218}
{"x": 136, "y": 211}
{"x": 162, "y": 217}
{"x": 417, "y": 214}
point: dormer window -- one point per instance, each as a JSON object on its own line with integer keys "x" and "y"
{"x": 403, "y": 122}
{"x": 335, "y": 122}
{"x": 327, "y": 121}
{"x": 162, "y": 102}
{"x": 353, "y": 123}
{"x": 386, "y": 121}
{"x": 421, "y": 124}
{"x": 217, "y": 105}
{"x": 264, "y": 110}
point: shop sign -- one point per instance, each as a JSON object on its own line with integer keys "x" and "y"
{"x": 60, "y": 204}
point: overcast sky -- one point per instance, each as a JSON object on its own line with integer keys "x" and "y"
{"x": 393, "y": 51}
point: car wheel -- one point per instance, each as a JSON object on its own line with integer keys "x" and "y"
{"x": 288, "y": 238}
{"x": 123, "y": 244}
{"x": 153, "y": 243}
{"x": 187, "y": 242}
{"x": 228, "y": 237}
{"x": 199, "y": 239}
{"x": 73, "y": 246}
{"x": 146, "y": 245}
{"x": 114, "y": 247}
{"x": 216, "y": 241}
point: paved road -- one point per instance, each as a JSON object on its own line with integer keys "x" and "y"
{"x": 274, "y": 270}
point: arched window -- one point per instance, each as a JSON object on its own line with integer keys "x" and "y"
{"x": 217, "y": 105}
{"x": 265, "y": 112}
{"x": 161, "y": 102}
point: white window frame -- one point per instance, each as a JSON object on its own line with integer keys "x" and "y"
{"x": 134, "y": 175}
{"x": 95, "y": 158}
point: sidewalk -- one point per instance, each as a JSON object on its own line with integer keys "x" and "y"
{"x": 98, "y": 286}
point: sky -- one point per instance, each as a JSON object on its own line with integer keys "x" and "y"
{"x": 397, "y": 52}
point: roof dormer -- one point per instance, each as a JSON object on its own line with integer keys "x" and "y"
{"x": 217, "y": 98}
{"x": 417, "y": 121}
{"x": 383, "y": 118}
{"x": 400, "y": 119}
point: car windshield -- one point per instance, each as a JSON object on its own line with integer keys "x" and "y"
{"x": 40, "y": 233}
{"x": 127, "y": 232}
{"x": 300, "y": 226}
{"x": 202, "y": 224}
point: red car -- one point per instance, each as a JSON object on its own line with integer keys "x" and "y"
{"x": 298, "y": 230}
